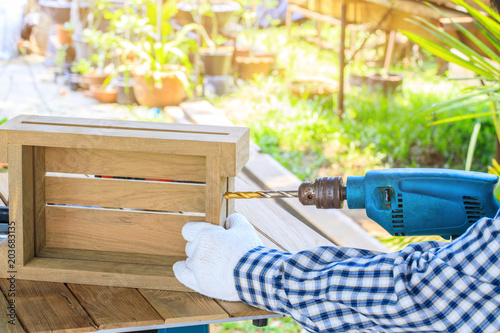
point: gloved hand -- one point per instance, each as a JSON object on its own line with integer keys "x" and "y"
{"x": 213, "y": 253}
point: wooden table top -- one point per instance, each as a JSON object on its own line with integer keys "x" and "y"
{"x": 60, "y": 307}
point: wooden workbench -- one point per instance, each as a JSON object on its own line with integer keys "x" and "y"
{"x": 59, "y": 307}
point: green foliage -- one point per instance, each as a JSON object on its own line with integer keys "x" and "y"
{"x": 285, "y": 325}
{"x": 451, "y": 49}
{"x": 307, "y": 137}
{"x": 82, "y": 66}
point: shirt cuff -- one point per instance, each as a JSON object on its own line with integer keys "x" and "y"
{"x": 258, "y": 277}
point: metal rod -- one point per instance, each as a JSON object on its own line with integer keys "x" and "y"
{"x": 343, "y": 24}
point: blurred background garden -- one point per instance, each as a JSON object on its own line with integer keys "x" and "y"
{"x": 327, "y": 88}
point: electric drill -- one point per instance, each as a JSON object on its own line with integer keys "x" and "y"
{"x": 405, "y": 202}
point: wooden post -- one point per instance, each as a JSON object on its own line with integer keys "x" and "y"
{"x": 343, "y": 24}
{"x": 390, "y": 41}
{"x": 319, "y": 27}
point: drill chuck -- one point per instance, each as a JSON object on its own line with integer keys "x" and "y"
{"x": 326, "y": 192}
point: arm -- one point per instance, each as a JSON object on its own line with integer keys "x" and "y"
{"x": 426, "y": 287}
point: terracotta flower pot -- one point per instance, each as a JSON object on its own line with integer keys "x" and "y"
{"x": 314, "y": 86}
{"x": 161, "y": 88}
{"x": 388, "y": 83}
{"x": 63, "y": 36}
{"x": 94, "y": 79}
{"x": 104, "y": 95}
{"x": 248, "y": 67}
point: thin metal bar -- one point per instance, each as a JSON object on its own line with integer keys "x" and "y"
{"x": 343, "y": 25}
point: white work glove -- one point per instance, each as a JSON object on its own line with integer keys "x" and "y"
{"x": 213, "y": 253}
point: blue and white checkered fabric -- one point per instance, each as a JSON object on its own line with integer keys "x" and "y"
{"x": 427, "y": 287}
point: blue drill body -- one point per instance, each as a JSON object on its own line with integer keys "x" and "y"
{"x": 424, "y": 201}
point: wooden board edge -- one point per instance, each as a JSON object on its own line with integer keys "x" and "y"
{"x": 38, "y": 269}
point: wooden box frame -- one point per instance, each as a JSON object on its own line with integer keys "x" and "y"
{"x": 74, "y": 225}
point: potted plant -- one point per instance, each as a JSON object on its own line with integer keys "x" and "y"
{"x": 222, "y": 10}
{"x": 162, "y": 79}
{"x": 216, "y": 57}
{"x": 78, "y": 69}
{"x": 249, "y": 60}
{"x": 64, "y": 33}
{"x": 104, "y": 43}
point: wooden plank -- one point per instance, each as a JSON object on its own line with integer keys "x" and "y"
{"x": 45, "y": 307}
{"x": 4, "y": 188}
{"x": 227, "y": 142}
{"x": 9, "y": 322}
{"x": 21, "y": 201}
{"x": 103, "y": 273}
{"x": 182, "y": 307}
{"x": 116, "y": 230}
{"x": 231, "y": 181}
{"x": 239, "y": 309}
{"x": 126, "y": 125}
{"x": 117, "y": 193}
{"x": 112, "y": 307}
{"x": 202, "y": 112}
{"x": 214, "y": 201}
{"x": 93, "y": 140}
{"x": 4, "y": 135}
{"x": 107, "y": 256}
{"x": 126, "y": 164}
{"x": 39, "y": 197}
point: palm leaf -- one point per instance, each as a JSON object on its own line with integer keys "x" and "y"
{"x": 462, "y": 117}
{"x": 439, "y": 106}
{"x": 442, "y": 52}
{"x": 464, "y": 106}
{"x": 452, "y": 42}
{"x": 483, "y": 47}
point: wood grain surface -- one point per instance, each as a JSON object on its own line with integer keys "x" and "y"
{"x": 39, "y": 197}
{"x": 106, "y": 256}
{"x": 126, "y": 164}
{"x": 21, "y": 201}
{"x": 118, "y": 193}
{"x": 239, "y": 309}
{"x": 44, "y": 307}
{"x": 9, "y": 322}
{"x": 181, "y": 307}
{"x": 116, "y": 230}
{"x": 230, "y": 143}
{"x": 96, "y": 272}
{"x": 112, "y": 307}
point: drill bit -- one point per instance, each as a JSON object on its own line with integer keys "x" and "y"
{"x": 261, "y": 194}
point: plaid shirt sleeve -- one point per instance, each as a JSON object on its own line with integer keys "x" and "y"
{"x": 427, "y": 287}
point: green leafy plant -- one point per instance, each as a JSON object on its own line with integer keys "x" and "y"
{"x": 82, "y": 66}
{"x": 251, "y": 20}
{"x": 104, "y": 43}
{"x": 469, "y": 55}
